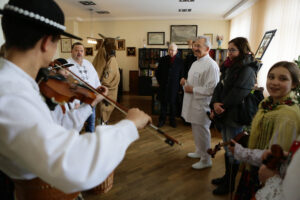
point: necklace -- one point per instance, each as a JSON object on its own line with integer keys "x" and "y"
{"x": 270, "y": 105}
{"x": 83, "y": 72}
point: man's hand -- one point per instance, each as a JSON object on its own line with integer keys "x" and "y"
{"x": 182, "y": 81}
{"x": 99, "y": 97}
{"x": 138, "y": 117}
{"x": 218, "y": 108}
{"x": 103, "y": 90}
{"x": 188, "y": 89}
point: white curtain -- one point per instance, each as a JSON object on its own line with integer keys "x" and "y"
{"x": 265, "y": 15}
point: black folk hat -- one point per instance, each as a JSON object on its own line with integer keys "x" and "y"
{"x": 45, "y": 13}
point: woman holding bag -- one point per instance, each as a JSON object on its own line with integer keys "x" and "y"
{"x": 238, "y": 75}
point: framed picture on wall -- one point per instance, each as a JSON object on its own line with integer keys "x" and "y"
{"x": 130, "y": 51}
{"x": 210, "y": 37}
{"x": 264, "y": 44}
{"x": 180, "y": 34}
{"x": 156, "y": 38}
{"x": 66, "y": 45}
{"x": 89, "y": 51}
{"x": 120, "y": 44}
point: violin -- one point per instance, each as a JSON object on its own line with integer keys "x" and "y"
{"x": 276, "y": 158}
{"x": 60, "y": 90}
{"x": 238, "y": 138}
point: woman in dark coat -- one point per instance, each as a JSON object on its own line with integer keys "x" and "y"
{"x": 238, "y": 77}
{"x": 168, "y": 76}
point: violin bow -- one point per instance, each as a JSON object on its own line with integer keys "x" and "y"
{"x": 169, "y": 140}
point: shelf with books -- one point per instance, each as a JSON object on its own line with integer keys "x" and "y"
{"x": 219, "y": 55}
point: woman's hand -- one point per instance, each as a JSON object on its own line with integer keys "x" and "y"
{"x": 218, "y": 108}
{"x": 212, "y": 114}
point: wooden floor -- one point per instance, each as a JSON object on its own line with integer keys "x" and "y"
{"x": 152, "y": 170}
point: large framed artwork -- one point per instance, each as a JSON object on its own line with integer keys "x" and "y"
{"x": 180, "y": 34}
{"x": 264, "y": 44}
{"x": 156, "y": 38}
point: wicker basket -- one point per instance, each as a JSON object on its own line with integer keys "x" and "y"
{"x": 105, "y": 186}
{"x": 37, "y": 189}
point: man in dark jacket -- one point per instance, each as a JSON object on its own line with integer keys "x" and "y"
{"x": 168, "y": 76}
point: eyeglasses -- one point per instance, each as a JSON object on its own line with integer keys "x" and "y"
{"x": 232, "y": 50}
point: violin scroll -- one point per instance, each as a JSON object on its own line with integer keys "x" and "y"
{"x": 240, "y": 138}
{"x": 276, "y": 158}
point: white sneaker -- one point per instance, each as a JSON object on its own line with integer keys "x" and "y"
{"x": 202, "y": 164}
{"x": 193, "y": 155}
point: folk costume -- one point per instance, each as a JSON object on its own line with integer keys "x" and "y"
{"x": 273, "y": 124}
{"x": 107, "y": 68}
{"x": 87, "y": 73}
{"x": 32, "y": 144}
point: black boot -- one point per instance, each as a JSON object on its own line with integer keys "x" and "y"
{"x": 228, "y": 186}
{"x": 218, "y": 181}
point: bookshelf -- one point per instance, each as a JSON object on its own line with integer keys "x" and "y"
{"x": 219, "y": 55}
{"x": 148, "y": 59}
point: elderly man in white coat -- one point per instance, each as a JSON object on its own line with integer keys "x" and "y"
{"x": 203, "y": 77}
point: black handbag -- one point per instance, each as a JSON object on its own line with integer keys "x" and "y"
{"x": 249, "y": 106}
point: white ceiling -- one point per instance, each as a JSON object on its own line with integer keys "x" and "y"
{"x": 153, "y": 9}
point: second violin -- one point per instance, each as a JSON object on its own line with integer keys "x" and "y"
{"x": 240, "y": 138}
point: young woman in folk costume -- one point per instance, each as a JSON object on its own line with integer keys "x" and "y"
{"x": 238, "y": 76}
{"x": 276, "y": 122}
{"x": 107, "y": 68}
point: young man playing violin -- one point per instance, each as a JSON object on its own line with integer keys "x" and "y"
{"x": 33, "y": 146}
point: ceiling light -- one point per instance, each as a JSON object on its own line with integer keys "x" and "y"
{"x": 87, "y": 3}
{"x": 103, "y": 12}
{"x": 186, "y": 0}
{"x": 91, "y": 40}
{"x": 184, "y": 10}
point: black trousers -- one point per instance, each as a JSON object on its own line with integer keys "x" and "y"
{"x": 168, "y": 107}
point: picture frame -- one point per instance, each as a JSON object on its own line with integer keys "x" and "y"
{"x": 130, "y": 51}
{"x": 89, "y": 51}
{"x": 266, "y": 40}
{"x": 66, "y": 45}
{"x": 210, "y": 37}
{"x": 120, "y": 45}
{"x": 156, "y": 38}
{"x": 180, "y": 34}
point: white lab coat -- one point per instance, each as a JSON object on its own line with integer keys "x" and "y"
{"x": 33, "y": 145}
{"x": 203, "y": 76}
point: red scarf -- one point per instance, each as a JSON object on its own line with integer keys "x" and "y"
{"x": 228, "y": 63}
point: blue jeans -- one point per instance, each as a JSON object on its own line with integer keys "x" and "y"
{"x": 90, "y": 122}
{"x": 229, "y": 133}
